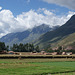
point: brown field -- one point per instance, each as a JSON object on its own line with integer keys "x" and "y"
{"x": 35, "y": 55}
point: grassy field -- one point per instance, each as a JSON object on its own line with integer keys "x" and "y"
{"x": 36, "y": 66}
{"x": 72, "y": 73}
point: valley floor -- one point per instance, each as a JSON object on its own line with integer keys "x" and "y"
{"x": 36, "y": 66}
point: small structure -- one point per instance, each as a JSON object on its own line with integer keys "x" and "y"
{"x": 11, "y": 52}
{"x": 63, "y": 53}
{"x": 34, "y": 52}
{"x": 42, "y": 52}
{"x": 69, "y": 53}
{"x": 55, "y": 53}
{"x": 20, "y": 54}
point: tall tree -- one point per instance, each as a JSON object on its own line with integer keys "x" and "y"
{"x": 37, "y": 49}
{"x": 2, "y": 46}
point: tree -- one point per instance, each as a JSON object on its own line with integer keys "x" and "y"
{"x": 20, "y": 47}
{"x": 7, "y": 47}
{"x": 14, "y": 48}
{"x": 60, "y": 48}
{"x": 2, "y": 46}
{"x": 37, "y": 49}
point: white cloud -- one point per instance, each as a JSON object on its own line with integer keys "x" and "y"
{"x": 30, "y": 19}
{"x": 65, "y": 3}
{"x": 0, "y": 8}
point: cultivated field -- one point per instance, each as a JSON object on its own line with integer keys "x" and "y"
{"x": 36, "y": 66}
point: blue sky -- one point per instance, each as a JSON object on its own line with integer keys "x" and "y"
{"x": 20, "y": 15}
{"x": 19, "y": 6}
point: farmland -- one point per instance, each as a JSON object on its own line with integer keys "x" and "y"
{"x": 9, "y": 56}
{"x": 36, "y": 66}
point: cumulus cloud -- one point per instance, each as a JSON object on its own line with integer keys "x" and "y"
{"x": 30, "y": 19}
{"x": 65, "y": 3}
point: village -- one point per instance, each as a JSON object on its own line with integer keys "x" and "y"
{"x": 42, "y": 52}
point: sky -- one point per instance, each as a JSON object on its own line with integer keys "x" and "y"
{"x": 20, "y": 15}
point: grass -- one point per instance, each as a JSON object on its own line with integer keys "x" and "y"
{"x": 35, "y": 66}
{"x": 72, "y": 73}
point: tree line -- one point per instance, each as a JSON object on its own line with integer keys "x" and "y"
{"x": 25, "y": 48}
{"x": 20, "y": 47}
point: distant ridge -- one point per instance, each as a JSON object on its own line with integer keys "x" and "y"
{"x": 25, "y": 36}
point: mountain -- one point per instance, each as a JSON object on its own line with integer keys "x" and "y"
{"x": 64, "y": 35}
{"x": 25, "y": 36}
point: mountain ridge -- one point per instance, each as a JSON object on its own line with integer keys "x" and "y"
{"x": 52, "y": 37}
{"x": 25, "y": 36}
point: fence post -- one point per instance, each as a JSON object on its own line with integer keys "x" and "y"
{"x": 19, "y": 57}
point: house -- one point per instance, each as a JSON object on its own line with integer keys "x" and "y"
{"x": 34, "y": 52}
{"x": 11, "y": 52}
{"x": 42, "y": 52}
{"x": 63, "y": 53}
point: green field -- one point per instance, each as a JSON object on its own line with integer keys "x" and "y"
{"x": 72, "y": 73}
{"x": 36, "y": 66}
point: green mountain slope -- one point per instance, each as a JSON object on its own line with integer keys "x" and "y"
{"x": 56, "y": 37}
{"x": 65, "y": 41}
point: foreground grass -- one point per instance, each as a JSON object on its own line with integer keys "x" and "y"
{"x": 35, "y": 66}
{"x": 72, "y": 73}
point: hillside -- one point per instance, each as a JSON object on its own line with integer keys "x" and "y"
{"x": 66, "y": 41}
{"x": 59, "y": 36}
{"x": 25, "y": 36}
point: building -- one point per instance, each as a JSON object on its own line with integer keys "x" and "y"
{"x": 11, "y": 52}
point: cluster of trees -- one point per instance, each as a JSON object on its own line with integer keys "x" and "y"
{"x": 3, "y": 47}
{"x": 24, "y": 48}
{"x": 73, "y": 51}
{"x": 20, "y": 47}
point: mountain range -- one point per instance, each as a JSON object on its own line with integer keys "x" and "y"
{"x": 62, "y": 36}
{"x": 27, "y": 35}
{"x": 44, "y": 36}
